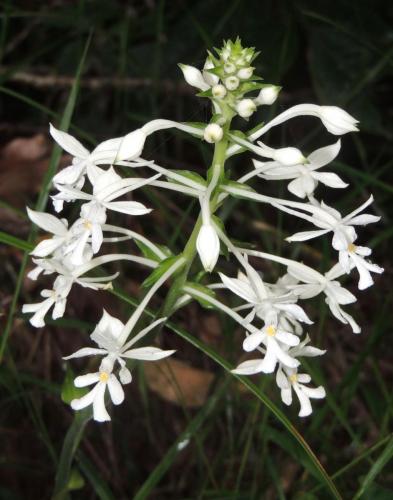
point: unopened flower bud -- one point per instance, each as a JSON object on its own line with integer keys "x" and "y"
{"x": 229, "y": 67}
{"x": 208, "y": 246}
{"x": 336, "y": 120}
{"x": 245, "y": 73}
{"x": 193, "y": 77}
{"x": 219, "y": 91}
{"x": 267, "y": 95}
{"x": 213, "y": 133}
{"x": 232, "y": 82}
{"x": 289, "y": 156}
{"x": 209, "y": 78}
{"x": 245, "y": 108}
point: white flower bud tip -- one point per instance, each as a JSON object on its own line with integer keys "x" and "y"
{"x": 268, "y": 95}
{"x": 232, "y": 83}
{"x": 208, "y": 246}
{"x": 245, "y": 73}
{"x": 219, "y": 91}
{"x": 337, "y": 121}
{"x": 289, "y": 156}
{"x": 193, "y": 77}
{"x": 245, "y": 108}
{"x": 213, "y": 133}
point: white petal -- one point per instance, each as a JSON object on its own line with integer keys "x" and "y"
{"x": 115, "y": 390}
{"x": 99, "y": 411}
{"x": 315, "y": 393}
{"x": 105, "y": 152}
{"x": 253, "y": 341}
{"x": 307, "y": 235}
{"x": 85, "y": 351}
{"x": 286, "y": 396}
{"x": 128, "y": 207}
{"x": 325, "y": 155}
{"x": 68, "y": 143}
{"x": 270, "y": 360}
{"x": 302, "y": 186}
{"x": 85, "y": 380}
{"x": 240, "y": 288}
{"x": 83, "y": 402}
{"x": 96, "y": 237}
{"x": 305, "y": 405}
{"x": 330, "y": 179}
{"x": 47, "y": 222}
{"x": 287, "y": 338}
{"x": 147, "y": 353}
{"x": 46, "y": 247}
{"x": 303, "y": 378}
{"x": 125, "y": 375}
{"x": 71, "y": 175}
{"x": 363, "y": 219}
{"x": 282, "y": 380}
{"x": 249, "y": 367}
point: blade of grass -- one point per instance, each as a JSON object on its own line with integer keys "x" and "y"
{"x": 13, "y": 241}
{"x": 70, "y": 445}
{"x": 98, "y": 484}
{"x": 43, "y": 197}
{"x": 377, "y": 467}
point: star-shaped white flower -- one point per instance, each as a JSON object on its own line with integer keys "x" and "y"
{"x": 305, "y": 175}
{"x": 108, "y": 336}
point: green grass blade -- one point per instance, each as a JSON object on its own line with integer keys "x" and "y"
{"x": 100, "y": 487}
{"x": 70, "y": 445}
{"x": 324, "y": 476}
{"x": 377, "y": 467}
{"x": 13, "y": 241}
{"x": 41, "y": 203}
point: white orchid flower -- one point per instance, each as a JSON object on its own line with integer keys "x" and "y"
{"x": 305, "y": 176}
{"x": 354, "y": 256}
{"x": 329, "y": 219}
{"x": 107, "y": 187}
{"x": 288, "y": 379}
{"x": 265, "y": 305}
{"x": 56, "y": 298}
{"x": 108, "y": 336}
{"x": 108, "y": 152}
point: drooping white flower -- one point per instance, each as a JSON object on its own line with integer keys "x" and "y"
{"x": 305, "y": 176}
{"x": 111, "y": 344}
{"x": 208, "y": 246}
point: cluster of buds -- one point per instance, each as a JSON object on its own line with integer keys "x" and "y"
{"x": 226, "y": 79}
{"x": 271, "y": 312}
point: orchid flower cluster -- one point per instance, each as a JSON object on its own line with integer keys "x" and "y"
{"x": 271, "y": 314}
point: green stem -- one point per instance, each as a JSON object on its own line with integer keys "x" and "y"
{"x": 189, "y": 251}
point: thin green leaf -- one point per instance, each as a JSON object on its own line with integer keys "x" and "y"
{"x": 379, "y": 464}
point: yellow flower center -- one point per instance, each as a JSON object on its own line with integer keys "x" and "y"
{"x": 351, "y": 247}
{"x": 104, "y": 377}
{"x": 271, "y": 331}
{"x": 293, "y": 378}
{"x": 87, "y": 224}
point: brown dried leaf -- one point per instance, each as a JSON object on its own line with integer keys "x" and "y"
{"x": 178, "y": 382}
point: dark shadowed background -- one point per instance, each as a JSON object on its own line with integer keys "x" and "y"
{"x": 326, "y": 52}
